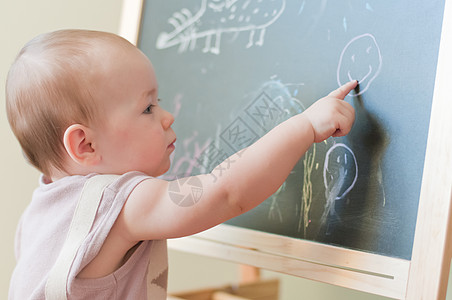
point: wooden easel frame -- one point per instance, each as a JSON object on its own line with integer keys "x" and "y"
{"x": 425, "y": 276}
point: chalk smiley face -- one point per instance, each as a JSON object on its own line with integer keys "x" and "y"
{"x": 340, "y": 170}
{"x": 361, "y": 60}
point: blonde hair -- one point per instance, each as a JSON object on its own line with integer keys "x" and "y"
{"x": 48, "y": 88}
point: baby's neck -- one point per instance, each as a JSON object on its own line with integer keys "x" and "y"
{"x": 58, "y": 174}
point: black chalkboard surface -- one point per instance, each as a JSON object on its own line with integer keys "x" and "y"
{"x": 231, "y": 70}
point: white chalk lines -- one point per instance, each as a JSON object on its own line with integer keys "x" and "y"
{"x": 216, "y": 17}
{"x": 360, "y": 59}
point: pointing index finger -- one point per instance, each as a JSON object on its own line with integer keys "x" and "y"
{"x": 343, "y": 91}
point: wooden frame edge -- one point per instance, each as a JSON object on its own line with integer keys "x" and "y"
{"x": 357, "y": 270}
{"x": 432, "y": 242}
{"x": 129, "y": 25}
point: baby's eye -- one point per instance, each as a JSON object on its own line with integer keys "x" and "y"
{"x": 148, "y": 109}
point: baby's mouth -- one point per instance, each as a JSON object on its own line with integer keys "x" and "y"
{"x": 172, "y": 144}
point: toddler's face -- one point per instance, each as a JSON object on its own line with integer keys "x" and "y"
{"x": 137, "y": 133}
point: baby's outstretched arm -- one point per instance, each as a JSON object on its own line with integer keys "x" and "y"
{"x": 252, "y": 175}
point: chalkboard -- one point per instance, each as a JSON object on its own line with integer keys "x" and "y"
{"x": 231, "y": 70}
{"x": 371, "y": 211}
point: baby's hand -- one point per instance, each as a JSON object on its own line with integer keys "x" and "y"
{"x": 331, "y": 115}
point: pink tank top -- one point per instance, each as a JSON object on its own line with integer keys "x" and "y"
{"x": 42, "y": 231}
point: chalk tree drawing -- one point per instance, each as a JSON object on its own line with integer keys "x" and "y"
{"x": 361, "y": 59}
{"x": 340, "y": 172}
{"x": 216, "y": 17}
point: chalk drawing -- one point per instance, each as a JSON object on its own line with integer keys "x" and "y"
{"x": 361, "y": 60}
{"x": 282, "y": 96}
{"x": 340, "y": 172}
{"x": 216, "y": 17}
{"x": 380, "y": 182}
{"x": 306, "y": 199}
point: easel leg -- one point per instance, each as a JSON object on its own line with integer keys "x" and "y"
{"x": 249, "y": 274}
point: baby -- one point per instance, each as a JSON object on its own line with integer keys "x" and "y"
{"x": 84, "y": 103}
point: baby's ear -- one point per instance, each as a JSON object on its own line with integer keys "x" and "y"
{"x": 78, "y": 142}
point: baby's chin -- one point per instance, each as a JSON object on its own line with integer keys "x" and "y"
{"x": 158, "y": 173}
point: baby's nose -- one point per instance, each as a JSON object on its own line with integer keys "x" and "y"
{"x": 167, "y": 120}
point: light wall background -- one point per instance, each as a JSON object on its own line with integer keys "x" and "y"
{"x": 21, "y": 20}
